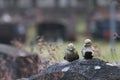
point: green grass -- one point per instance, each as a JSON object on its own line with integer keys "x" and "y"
{"x": 103, "y": 45}
{"x": 81, "y": 24}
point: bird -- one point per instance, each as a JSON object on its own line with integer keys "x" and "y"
{"x": 71, "y": 53}
{"x": 87, "y": 50}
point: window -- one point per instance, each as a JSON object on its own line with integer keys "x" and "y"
{"x": 45, "y": 3}
{"x": 2, "y": 4}
{"x": 6, "y": 3}
{"x": 63, "y": 3}
{"x": 24, "y": 3}
{"x": 103, "y": 2}
{"x": 73, "y": 3}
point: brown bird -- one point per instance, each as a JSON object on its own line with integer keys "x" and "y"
{"x": 70, "y": 53}
{"x": 87, "y": 50}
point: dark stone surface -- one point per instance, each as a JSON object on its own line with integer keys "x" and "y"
{"x": 93, "y": 69}
{"x": 15, "y": 63}
{"x": 7, "y": 67}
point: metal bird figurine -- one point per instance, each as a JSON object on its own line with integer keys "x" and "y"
{"x": 87, "y": 50}
{"x": 70, "y": 53}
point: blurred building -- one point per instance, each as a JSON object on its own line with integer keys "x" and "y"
{"x": 100, "y": 21}
{"x": 54, "y": 19}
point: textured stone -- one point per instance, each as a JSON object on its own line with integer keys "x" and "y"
{"x": 92, "y": 69}
{"x": 7, "y": 67}
{"x": 15, "y": 63}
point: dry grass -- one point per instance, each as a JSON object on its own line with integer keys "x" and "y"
{"x": 55, "y": 51}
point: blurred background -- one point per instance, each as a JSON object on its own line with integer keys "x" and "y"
{"x": 61, "y": 21}
{"x": 34, "y": 34}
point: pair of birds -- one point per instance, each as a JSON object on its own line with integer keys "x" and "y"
{"x": 87, "y": 51}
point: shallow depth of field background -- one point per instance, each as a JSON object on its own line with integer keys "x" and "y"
{"x": 77, "y": 16}
{"x": 103, "y": 44}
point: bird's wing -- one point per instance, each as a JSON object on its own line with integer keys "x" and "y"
{"x": 83, "y": 51}
{"x": 66, "y": 54}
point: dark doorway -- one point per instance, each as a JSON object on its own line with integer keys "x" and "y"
{"x": 7, "y": 32}
{"x": 10, "y": 31}
{"x": 102, "y": 29}
{"x": 51, "y": 31}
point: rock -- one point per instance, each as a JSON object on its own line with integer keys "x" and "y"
{"x": 9, "y": 50}
{"x": 27, "y": 65}
{"x": 15, "y": 63}
{"x": 7, "y": 67}
{"x": 13, "y": 51}
{"x": 91, "y": 69}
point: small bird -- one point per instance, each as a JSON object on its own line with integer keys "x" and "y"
{"x": 70, "y": 53}
{"x": 87, "y": 50}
